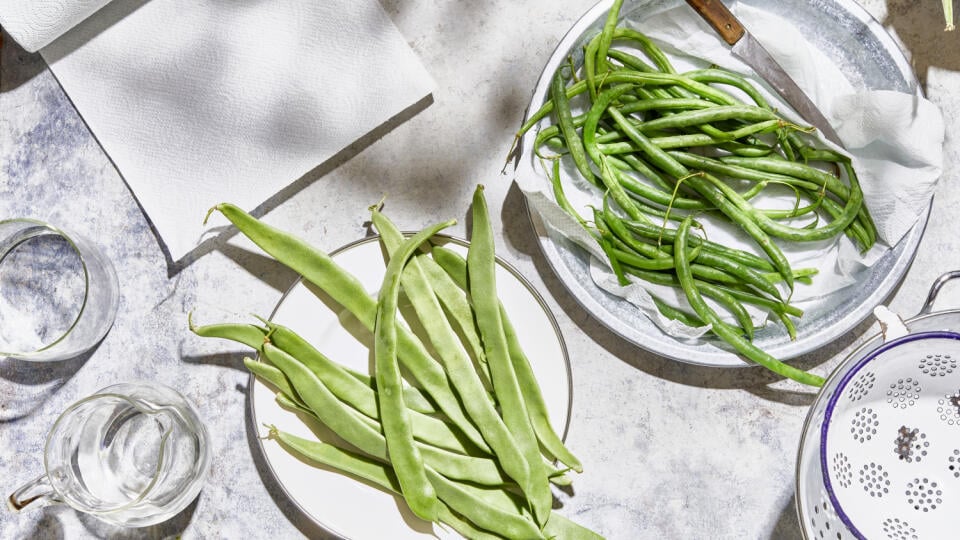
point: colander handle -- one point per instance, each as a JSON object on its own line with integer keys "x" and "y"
{"x": 935, "y": 289}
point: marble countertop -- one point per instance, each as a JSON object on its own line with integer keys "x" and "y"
{"x": 670, "y": 450}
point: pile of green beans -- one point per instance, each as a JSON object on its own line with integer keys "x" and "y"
{"x": 661, "y": 147}
{"x": 461, "y": 433}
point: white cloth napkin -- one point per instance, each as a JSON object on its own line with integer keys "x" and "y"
{"x": 35, "y": 23}
{"x": 204, "y": 101}
{"x": 895, "y": 140}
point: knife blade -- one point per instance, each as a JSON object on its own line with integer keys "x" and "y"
{"x": 746, "y": 47}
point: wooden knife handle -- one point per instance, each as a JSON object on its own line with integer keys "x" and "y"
{"x": 720, "y": 18}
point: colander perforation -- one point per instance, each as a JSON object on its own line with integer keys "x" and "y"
{"x": 937, "y": 365}
{"x": 897, "y": 529}
{"x": 864, "y": 424}
{"x": 948, "y": 408}
{"x": 904, "y": 393}
{"x": 862, "y": 386}
{"x": 842, "y": 470}
{"x": 924, "y": 495}
{"x": 953, "y": 463}
{"x": 875, "y": 480}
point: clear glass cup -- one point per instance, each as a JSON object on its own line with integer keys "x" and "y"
{"x": 58, "y": 292}
{"x": 132, "y": 455}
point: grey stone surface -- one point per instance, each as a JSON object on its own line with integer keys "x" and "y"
{"x": 669, "y": 450}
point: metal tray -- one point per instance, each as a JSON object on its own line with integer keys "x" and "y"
{"x": 870, "y": 58}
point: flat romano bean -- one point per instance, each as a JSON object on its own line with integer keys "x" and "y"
{"x": 344, "y": 384}
{"x": 367, "y": 469}
{"x": 394, "y": 416}
{"x": 247, "y": 334}
{"x": 456, "y": 267}
{"x": 481, "y": 267}
{"x": 318, "y": 268}
{"x": 458, "y": 308}
{"x": 481, "y": 512}
{"x": 456, "y": 360}
{"x": 255, "y": 336}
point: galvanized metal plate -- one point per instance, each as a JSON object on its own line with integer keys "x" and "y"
{"x": 870, "y": 59}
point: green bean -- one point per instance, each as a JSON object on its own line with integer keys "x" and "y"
{"x": 481, "y": 268}
{"x": 718, "y": 75}
{"x": 394, "y": 417}
{"x": 606, "y": 35}
{"x": 665, "y": 104}
{"x": 560, "y": 196}
{"x": 547, "y": 108}
{"x": 709, "y": 191}
{"x": 607, "y": 173}
{"x": 456, "y": 267}
{"x": 565, "y": 121}
{"x": 661, "y": 234}
{"x": 318, "y": 268}
{"x": 647, "y": 192}
{"x": 457, "y": 362}
{"x": 722, "y": 329}
{"x": 648, "y": 47}
{"x": 744, "y": 113}
{"x": 734, "y": 307}
{"x": 675, "y": 314}
{"x": 785, "y": 231}
{"x": 669, "y": 79}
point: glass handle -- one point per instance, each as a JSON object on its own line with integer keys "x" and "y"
{"x": 32, "y": 491}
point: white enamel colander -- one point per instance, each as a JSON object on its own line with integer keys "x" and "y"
{"x": 880, "y": 452}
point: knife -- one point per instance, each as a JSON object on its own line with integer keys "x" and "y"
{"x": 747, "y": 48}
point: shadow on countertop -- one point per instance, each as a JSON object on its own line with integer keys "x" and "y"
{"x": 920, "y": 27}
{"x": 756, "y": 380}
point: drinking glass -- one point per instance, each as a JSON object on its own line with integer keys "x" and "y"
{"x": 133, "y": 454}
{"x": 58, "y": 292}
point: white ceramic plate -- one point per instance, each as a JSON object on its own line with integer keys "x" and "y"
{"x": 341, "y": 504}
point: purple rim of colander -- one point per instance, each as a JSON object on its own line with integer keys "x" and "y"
{"x": 831, "y": 404}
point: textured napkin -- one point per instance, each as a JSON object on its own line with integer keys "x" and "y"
{"x": 202, "y": 101}
{"x": 35, "y": 23}
{"x": 895, "y": 140}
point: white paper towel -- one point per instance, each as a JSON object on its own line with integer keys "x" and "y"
{"x": 204, "y": 101}
{"x": 895, "y": 140}
{"x": 35, "y": 23}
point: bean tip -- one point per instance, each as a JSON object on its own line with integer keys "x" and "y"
{"x": 210, "y": 212}
{"x": 378, "y": 206}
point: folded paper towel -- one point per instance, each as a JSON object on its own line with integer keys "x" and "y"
{"x": 35, "y": 23}
{"x": 197, "y": 102}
